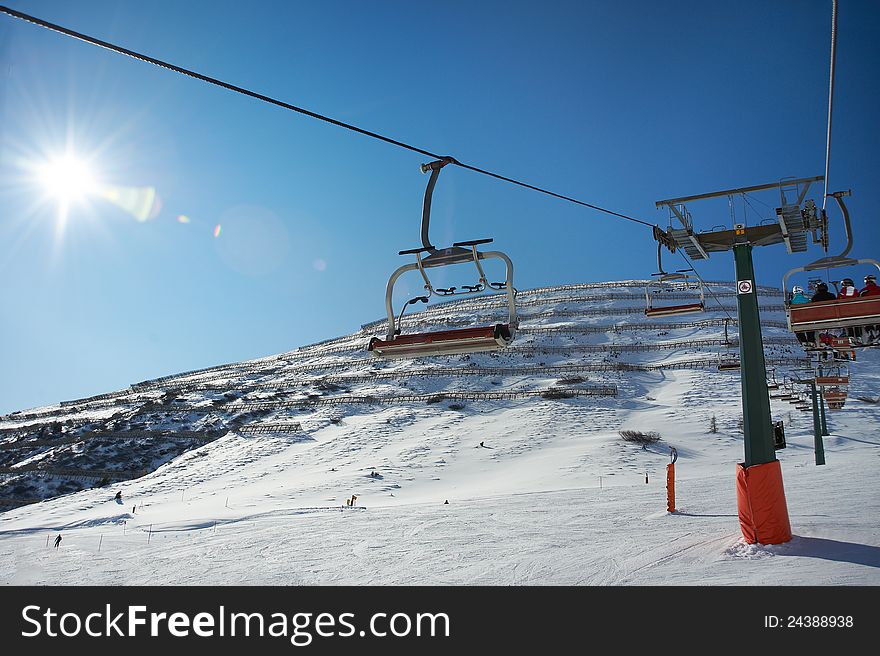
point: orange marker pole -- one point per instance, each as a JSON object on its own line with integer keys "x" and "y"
{"x": 670, "y": 480}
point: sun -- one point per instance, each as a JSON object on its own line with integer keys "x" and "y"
{"x": 67, "y": 178}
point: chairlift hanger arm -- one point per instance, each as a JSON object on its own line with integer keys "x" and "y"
{"x": 434, "y": 167}
{"x": 660, "y": 271}
{"x": 838, "y": 196}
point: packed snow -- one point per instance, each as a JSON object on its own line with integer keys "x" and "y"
{"x": 250, "y": 465}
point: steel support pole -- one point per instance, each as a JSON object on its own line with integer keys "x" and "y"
{"x": 757, "y": 429}
{"x": 818, "y": 447}
{"x": 822, "y": 411}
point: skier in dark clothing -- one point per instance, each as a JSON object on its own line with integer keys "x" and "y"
{"x": 119, "y": 497}
{"x": 822, "y": 294}
{"x": 57, "y": 541}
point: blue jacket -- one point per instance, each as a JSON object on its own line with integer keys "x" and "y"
{"x": 799, "y": 299}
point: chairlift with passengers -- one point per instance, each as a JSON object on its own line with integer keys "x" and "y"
{"x": 838, "y": 314}
{"x": 453, "y": 341}
{"x": 679, "y": 281}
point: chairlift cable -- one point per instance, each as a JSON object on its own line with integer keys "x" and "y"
{"x": 755, "y": 198}
{"x": 279, "y": 103}
{"x": 746, "y": 200}
{"x": 830, "y": 97}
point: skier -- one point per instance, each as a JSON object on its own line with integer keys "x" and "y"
{"x": 822, "y": 294}
{"x": 798, "y": 297}
{"x": 870, "y": 288}
{"x": 872, "y": 333}
{"x": 57, "y": 540}
{"x": 847, "y": 289}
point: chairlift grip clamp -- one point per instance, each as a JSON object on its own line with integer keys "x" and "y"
{"x": 438, "y": 164}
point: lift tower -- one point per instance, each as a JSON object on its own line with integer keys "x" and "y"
{"x": 763, "y": 512}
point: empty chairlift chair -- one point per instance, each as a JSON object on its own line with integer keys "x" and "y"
{"x": 452, "y": 341}
{"x": 832, "y": 374}
{"x": 836, "y": 398}
{"x": 833, "y": 379}
{"x": 728, "y": 360}
{"x": 678, "y": 282}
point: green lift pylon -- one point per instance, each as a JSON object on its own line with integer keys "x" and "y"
{"x": 757, "y": 426}
{"x": 818, "y": 447}
{"x": 761, "y": 505}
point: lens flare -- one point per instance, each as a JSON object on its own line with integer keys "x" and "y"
{"x": 142, "y": 203}
{"x": 183, "y": 218}
{"x": 217, "y": 229}
{"x": 67, "y": 178}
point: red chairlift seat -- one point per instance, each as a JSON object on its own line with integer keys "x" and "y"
{"x": 728, "y": 362}
{"x": 839, "y": 313}
{"x": 443, "y": 342}
{"x": 835, "y": 399}
{"x": 670, "y": 310}
{"x": 832, "y": 380}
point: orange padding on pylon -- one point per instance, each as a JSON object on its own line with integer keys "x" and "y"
{"x": 670, "y": 488}
{"x": 760, "y": 500}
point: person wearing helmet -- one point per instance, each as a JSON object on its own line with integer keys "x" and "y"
{"x": 847, "y": 289}
{"x": 825, "y": 338}
{"x": 870, "y": 288}
{"x": 798, "y": 297}
{"x": 822, "y": 294}
{"x": 871, "y": 334}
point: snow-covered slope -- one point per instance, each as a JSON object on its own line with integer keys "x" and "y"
{"x": 250, "y": 464}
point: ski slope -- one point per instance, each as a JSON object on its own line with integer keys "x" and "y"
{"x": 553, "y": 496}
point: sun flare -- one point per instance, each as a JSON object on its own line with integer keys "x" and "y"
{"x": 67, "y": 178}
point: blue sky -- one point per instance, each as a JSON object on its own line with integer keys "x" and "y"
{"x": 618, "y": 104}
